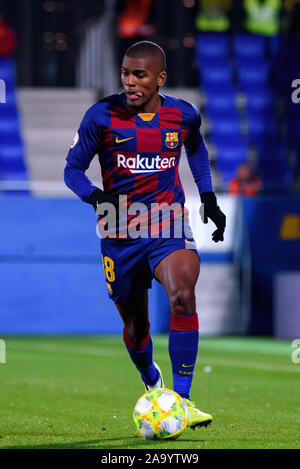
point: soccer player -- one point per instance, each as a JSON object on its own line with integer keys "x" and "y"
{"x": 138, "y": 135}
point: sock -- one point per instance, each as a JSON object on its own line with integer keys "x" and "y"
{"x": 142, "y": 356}
{"x": 183, "y": 349}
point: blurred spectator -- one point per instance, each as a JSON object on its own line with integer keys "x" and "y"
{"x": 8, "y": 41}
{"x": 246, "y": 183}
{"x": 263, "y": 16}
{"x": 213, "y": 15}
{"x": 133, "y": 20}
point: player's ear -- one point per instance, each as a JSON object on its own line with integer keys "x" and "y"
{"x": 161, "y": 79}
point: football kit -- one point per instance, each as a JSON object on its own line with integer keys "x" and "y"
{"x": 139, "y": 156}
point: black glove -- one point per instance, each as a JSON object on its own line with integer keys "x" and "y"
{"x": 98, "y": 197}
{"x": 211, "y": 210}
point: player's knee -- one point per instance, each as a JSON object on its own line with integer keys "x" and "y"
{"x": 183, "y": 301}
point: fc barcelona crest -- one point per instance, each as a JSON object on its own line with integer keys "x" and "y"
{"x": 171, "y": 139}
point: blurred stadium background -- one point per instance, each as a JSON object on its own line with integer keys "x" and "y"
{"x": 239, "y": 62}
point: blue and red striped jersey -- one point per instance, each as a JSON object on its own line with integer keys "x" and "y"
{"x": 139, "y": 153}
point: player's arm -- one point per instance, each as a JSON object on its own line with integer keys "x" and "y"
{"x": 86, "y": 144}
{"x": 198, "y": 160}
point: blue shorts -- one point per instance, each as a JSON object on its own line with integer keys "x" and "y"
{"x": 129, "y": 263}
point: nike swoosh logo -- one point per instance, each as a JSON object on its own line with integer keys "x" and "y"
{"x": 186, "y": 366}
{"x": 123, "y": 140}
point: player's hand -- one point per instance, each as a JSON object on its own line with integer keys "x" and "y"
{"x": 117, "y": 219}
{"x": 210, "y": 209}
{"x": 99, "y": 197}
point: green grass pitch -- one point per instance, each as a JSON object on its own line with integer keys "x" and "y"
{"x": 79, "y": 392}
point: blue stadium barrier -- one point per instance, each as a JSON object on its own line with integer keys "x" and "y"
{"x": 275, "y": 247}
{"x": 52, "y": 280}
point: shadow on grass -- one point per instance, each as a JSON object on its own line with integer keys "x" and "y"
{"x": 132, "y": 442}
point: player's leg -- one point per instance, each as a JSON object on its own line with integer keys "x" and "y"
{"x": 137, "y": 338}
{"x": 178, "y": 273}
{"x": 128, "y": 278}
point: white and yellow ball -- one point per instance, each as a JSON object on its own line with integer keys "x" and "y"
{"x": 160, "y": 414}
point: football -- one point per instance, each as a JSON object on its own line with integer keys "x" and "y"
{"x": 160, "y": 414}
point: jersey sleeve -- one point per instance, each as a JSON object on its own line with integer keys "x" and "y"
{"x": 197, "y": 154}
{"x": 85, "y": 145}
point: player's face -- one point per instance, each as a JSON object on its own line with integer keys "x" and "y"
{"x": 140, "y": 79}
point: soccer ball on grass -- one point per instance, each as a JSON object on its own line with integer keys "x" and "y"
{"x": 160, "y": 414}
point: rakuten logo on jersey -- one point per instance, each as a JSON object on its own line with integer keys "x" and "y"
{"x": 145, "y": 164}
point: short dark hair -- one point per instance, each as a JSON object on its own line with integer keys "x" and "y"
{"x": 143, "y": 49}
